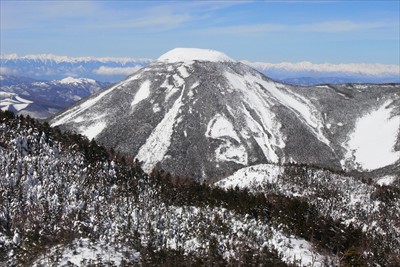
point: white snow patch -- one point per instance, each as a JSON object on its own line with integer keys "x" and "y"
{"x": 178, "y": 81}
{"x": 191, "y": 54}
{"x": 295, "y": 250}
{"x": 195, "y": 85}
{"x": 386, "y": 180}
{"x": 156, "y": 108}
{"x": 81, "y": 251}
{"x": 191, "y": 91}
{"x": 19, "y": 107}
{"x": 79, "y": 119}
{"x": 219, "y": 126}
{"x": 372, "y": 142}
{"x": 183, "y": 72}
{"x": 252, "y": 177}
{"x": 93, "y": 130}
{"x": 142, "y": 93}
{"x": 23, "y": 100}
{"x": 158, "y": 142}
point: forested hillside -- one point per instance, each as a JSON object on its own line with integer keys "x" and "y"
{"x": 66, "y": 201}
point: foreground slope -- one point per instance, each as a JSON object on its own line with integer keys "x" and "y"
{"x": 65, "y": 201}
{"x": 198, "y": 113}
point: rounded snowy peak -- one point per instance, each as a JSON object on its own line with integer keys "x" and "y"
{"x": 71, "y": 80}
{"x": 191, "y": 54}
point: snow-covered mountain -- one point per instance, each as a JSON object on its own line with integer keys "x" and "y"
{"x": 42, "y": 99}
{"x": 198, "y": 113}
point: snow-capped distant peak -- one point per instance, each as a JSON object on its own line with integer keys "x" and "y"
{"x": 71, "y": 80}
{"x": 191, "y": 54}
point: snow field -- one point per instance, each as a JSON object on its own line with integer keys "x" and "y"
{"x": 157, "y": 144}
{"x": 83, "y": 251}
{"x": 142, "y": 93}
{"x": 93, "y": 129}
{"x": 219, "y": 126}
{"x": 373, "y": 139}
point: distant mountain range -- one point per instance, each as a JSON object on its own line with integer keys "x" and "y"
{"x": 339, "y": 80}
{"x": 41, "y": 99}
{"x": 52, "y": 67}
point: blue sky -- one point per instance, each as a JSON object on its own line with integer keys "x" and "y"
{"x": 269, "y": 31}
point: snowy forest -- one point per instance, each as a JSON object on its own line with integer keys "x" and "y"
{"x": 67, "y": 201}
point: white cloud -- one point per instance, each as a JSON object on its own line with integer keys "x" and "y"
{"x": 163, "y": 21}
{"x": 339, "y": 26}
{"x": 108, "y": 71}
{"x": 245, "y": 29}
{"x": 321, "y": 27}
{"x": 42, "y": 13}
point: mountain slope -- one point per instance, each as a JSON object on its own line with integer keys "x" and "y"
{"x": 200, "y": 114}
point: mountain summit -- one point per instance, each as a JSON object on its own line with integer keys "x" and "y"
{"x": 191, "y": 54}
{"x": 200, "y": 114}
